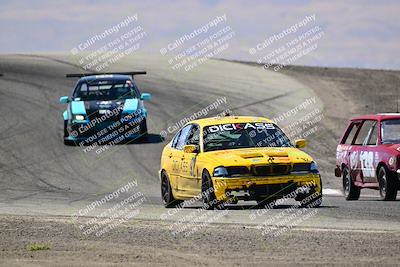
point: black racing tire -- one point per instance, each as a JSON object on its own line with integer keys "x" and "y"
{"x": 65, "y": 129}
{"x": 143, "y": 128}
{"x": 66, "y": 134}
{"x": 313, "y": 199}
{"x": 207, "y": 192}
{"x": 68, "y": 142}
{"x": 350, "y": 190}
{"x": 387, "y": 184}
{"x": 166, "y": 192}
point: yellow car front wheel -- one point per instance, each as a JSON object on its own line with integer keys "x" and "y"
{"x": 313, "y": 199}
{"x": 208, "y": 194}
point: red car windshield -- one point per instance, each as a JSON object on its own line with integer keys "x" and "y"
{"x": 390, "y": 131}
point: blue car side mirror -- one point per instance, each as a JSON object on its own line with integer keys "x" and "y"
{"x": 64, "y": 99}
{"x": 145, "y": 96}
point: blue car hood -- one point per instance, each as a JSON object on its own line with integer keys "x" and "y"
{"x": 90, "y": 107}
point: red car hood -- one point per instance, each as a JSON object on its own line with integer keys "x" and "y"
{"x": 394, "y": 147}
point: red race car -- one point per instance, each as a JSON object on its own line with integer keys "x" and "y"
{"x": 368, "y": 156}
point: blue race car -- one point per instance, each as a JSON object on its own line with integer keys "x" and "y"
{"x": 104, "y": 107}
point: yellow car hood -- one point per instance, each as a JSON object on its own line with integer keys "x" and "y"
{"x": 250, "y": 156}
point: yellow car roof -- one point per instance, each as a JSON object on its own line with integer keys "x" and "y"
{"x": 229, "y": 119}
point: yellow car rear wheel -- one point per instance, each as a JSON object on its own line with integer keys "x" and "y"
{"x": 166, "y": 192}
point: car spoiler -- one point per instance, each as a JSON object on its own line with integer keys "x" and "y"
{"x": 130, "y": 73}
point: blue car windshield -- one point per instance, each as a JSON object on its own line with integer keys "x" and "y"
{"x": 105, "y": 90}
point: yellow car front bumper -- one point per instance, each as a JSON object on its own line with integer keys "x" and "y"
{"x": 273, "y": 187}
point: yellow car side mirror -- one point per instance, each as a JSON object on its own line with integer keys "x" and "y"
{"x": 190, "y": 149}
{"x": 300, "y": 143}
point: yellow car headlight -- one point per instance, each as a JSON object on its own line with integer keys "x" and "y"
{"x": 314, "y": 167}
{"x": 220, "y": 172}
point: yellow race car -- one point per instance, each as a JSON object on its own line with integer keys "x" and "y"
{"x": 226, "y": 159}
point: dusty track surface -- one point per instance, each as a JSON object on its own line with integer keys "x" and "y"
{"x": 42, "y": 178}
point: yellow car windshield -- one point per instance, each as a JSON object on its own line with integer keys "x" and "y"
{"x": 243, "y": 135}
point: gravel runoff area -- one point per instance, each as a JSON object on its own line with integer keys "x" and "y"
{"x": 150, "y": 243}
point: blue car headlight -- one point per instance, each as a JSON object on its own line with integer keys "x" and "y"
{"x": 314, "y": 167}
{"x": 220, "y": 172}
{"x": 79, "y": 117}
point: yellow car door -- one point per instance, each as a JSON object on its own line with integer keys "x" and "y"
{"x": 178, "y": 165}
{"x": 190, "y": 180}
{"x": 169, "y": 163}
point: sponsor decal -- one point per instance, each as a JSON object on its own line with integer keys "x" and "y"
{"x": 105, "y": 104}
{"x": 238, "y": 126}
{"x": 367, "y": 163}
{"x": 353, "y": 159}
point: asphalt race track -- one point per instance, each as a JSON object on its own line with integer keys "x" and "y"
{"x": 43, "y": 183}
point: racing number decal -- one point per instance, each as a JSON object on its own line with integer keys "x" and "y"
{"x": 367, "y": 163}
{"x": 187, "y": 167}
{"x": 175, "y": 165}
{"x": 192, "y": 166}
{"x": 184, "y": 166}
{"x": 353, "y": 160}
